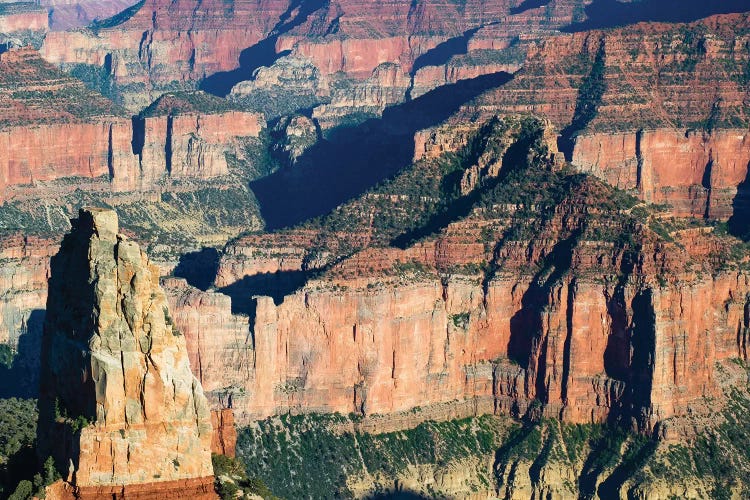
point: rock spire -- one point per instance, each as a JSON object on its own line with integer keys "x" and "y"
{"x": 120, "y": 410}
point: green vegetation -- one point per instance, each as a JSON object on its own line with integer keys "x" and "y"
{"x": 6, "y": 356}
{"x": 231, "y": 478}
{"x": 256, "y": 158}
{"x": 19, "y": 474}
{"x": 426, "y": 196}
{"x": 278, "y": 102}
{"x": 76, "y": 99}
{"x": 590, "y": 94}
{"x": 17, "y": 426}
{"x": 719, "y": 456}
{"x": 318, "y": 456}
{"x": 180, "y": 219}
{"x": 515, "y": 54}
{"x": 96, "y": 78}
{"x": 460, "y": 320}
{"x": 74, "y": 422}
{"x": 311, "y": 456}
{"x": 61, "y": 100}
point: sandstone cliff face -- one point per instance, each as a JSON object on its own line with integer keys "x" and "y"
{"x": 647, "y": 76}
{"x": 167, "y": 43}
{"x": 22, "y": 23}
{"x": 698, "y": 173}
{"x": 658, "y": 109}
{"x": 387, "y": 85}
{"x": 225, "y": 435}
{"x": 52, "y": 127}
{"x": 591, "y": 325}
{"x": 119, "y": 406}
{"x": 610, "y": 334}
{"x": 179, "y": 139}
{"x": 23, "y": 279}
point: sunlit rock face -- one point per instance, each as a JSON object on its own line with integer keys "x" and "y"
{"x": 119, "y": 405}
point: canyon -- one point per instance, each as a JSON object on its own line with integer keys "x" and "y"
{"x": 650, "y": 108}
{"x": 67, "y": 14}
{"x": 424, "y": 324}
{"x": 398, "y": 212}
{"x": 150, "y": 51}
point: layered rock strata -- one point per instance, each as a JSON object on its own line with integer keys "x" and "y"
{"x": 658, "y": 109}
{"x": 568, "y": 320}
{"x": 187, "y": 136}
{"x": 67, "y": 14}
{"x": 23, "y": 279}
{"x": 161, "y": 44}
{"x": 120, "y": 410}
{"x": 52, "y": 127}
{"x": 22, "y": 23}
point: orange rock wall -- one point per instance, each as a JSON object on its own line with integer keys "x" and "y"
{"x": 201, "y": 489}
{"x": 225, "y": 435}
{"x": 369, "y": 344}
{"x": 103, "y": 149}
{"x": 48, "y": 152}
{"x": 697, "y": 173}
{"x": 184, "y": 41}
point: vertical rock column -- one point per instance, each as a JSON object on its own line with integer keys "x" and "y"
{"x": 120, "y": 410}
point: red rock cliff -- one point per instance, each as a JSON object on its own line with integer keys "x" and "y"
{"x": 667, "y": 108}
{"x": 52, "y": 127}
{"x": 387, "y": 330}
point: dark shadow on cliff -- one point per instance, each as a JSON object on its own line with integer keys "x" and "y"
{"x": 528, "y": 5}
{"x": 352, "y": 159}
{"x": 68, "y": 329}
{"x": 264, "y": 52}
{"x": 275, "y": 285}
{"x": 442, "y": 53}
{"x": 639, "y": 452}
{"x": 643, "y": 345}
{"x": 604, "y": 451}
{"x": 526, "y": 324}
{"x": 22, "y": 465}
{"x": 739, "y": 222}
{"x": 199, "y": 268}
{"x": 617, "y": 352}
{"x": 21, "y": 379}
{"x": 611, "y": 13}
{"x": 589, "y": 99}
{"x": 504, "y": 454}
{"x": 513, "y": 159}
